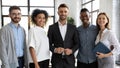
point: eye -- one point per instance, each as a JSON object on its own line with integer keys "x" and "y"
{"x": 15, "y": 14}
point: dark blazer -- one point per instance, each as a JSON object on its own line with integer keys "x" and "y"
{"x": 71, "y": 41}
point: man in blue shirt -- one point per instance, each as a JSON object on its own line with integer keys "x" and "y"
{"x": 12, "y": 41}
{"x": 87, "y": 35}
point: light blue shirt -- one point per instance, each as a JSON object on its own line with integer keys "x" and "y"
{"x": 19, "y": 39}
{"x": 87, "y": 43}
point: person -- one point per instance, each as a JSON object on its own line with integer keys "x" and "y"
{"x": 108, "y": 38}
{"x": 12, "y": 41}
{"x": 87, "y": 35}
{"x": 64, "y": 40}
{"x": 38, "y": 41}
{"x": 0, "y": 63}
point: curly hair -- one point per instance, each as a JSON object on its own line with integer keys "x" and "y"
{"x": 36, "y": 12}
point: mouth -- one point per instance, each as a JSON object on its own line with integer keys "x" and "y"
{"x": 16, "y": 18}
{"x": 85, "y": 20}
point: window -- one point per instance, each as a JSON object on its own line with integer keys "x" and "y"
{"x": 27, "y": 6}
{"x": 93, "y": 7}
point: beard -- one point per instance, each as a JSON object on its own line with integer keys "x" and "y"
{"x": 63, "y": 18}
{"x": 16, "y": 20}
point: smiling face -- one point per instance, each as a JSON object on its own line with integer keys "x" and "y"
{"x": 102, "y": 21}
{"x": 15, "y": 15}
{"x": 84, "y": 16}
{"x": 63, "y": 13}
{"x": 40, "y": 20}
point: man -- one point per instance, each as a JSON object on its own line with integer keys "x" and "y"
{"x": 64, "y": 40}
{"x": 12, "y": 41}
{"x": 87, "y": 36}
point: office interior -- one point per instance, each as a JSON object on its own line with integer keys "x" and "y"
{"x": 111, "y": 7}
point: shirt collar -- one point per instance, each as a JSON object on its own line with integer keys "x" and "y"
{"x": 61, "y": 24}
{"x": 39, "y": 27}
{"x": 13, "y": 25}
{"x": 88, "y": 26}
{"x": 105, "y": 30}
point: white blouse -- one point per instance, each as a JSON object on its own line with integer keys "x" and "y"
{"x": 108, "y": 38}
{"x": 38, "y": 39}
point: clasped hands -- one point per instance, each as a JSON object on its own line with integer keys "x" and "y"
{"x": 61, "y": 50}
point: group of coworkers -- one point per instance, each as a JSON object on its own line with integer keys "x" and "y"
{"x": 62, "y": 39}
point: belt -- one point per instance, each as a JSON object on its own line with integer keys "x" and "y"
{"x": 20, "y": 57}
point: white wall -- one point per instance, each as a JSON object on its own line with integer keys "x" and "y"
{"x": 0, "y": 15}
{"x": 106, "y": 6}
{"x": 74, "y": 7}
{"x": 116, "y": 17}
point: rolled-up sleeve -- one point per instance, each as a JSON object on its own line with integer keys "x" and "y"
{"x": 114, "y": 41}
{"x": 31, "y": 38}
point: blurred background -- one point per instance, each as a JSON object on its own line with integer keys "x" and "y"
{"x": 111, "y": 7}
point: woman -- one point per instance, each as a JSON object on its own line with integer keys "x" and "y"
{"x": 107, "y": 37}
{"x": 38, "y": 41}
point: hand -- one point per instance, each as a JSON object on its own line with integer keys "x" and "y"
{"x": 59, "y": 50}
{"x": 37, "y": 66}
{"x": 68, "y": 51}
{"x": 100, "y": 55}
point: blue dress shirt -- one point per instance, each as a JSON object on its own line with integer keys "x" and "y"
{"x": 87, "y": 43}
{"x": 19, "y": 39}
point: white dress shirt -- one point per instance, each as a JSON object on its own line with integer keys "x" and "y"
{"x": 63, "y": 29}
{"x": 108, "y": 38}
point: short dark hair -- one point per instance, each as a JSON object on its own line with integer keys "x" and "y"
{"x": 36, "y": 12}
{"x": 14, "y": 8}
{"x": 84, "y": 10}
{"x": 63, "y": 5}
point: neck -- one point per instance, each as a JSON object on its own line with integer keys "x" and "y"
{"x": 16, "y": 24}
{"x": 63, "y": 22}
{"x": 85, "y": 25}
{"x": 102, "y": 28}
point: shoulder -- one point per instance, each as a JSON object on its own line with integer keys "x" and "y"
{"x": 22, "y": 28}
{"x": 53, "y": 26}
{"x": 33, "y": 29}
{"x": 109, "y": 32}
{"x": 6, "y": 28}
{"x": 93, "y": 26}
{"x": 71, "y": 25}
{"x": 79, "y": 27}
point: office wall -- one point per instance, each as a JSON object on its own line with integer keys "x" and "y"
{"x": 0, "y": 14}
{"x": 116, "y": 22}
{"x": 116, "y": 17}
{"x": 74, "y": 7}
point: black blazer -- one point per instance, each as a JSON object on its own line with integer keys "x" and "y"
{"x": 55, "y": 40}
